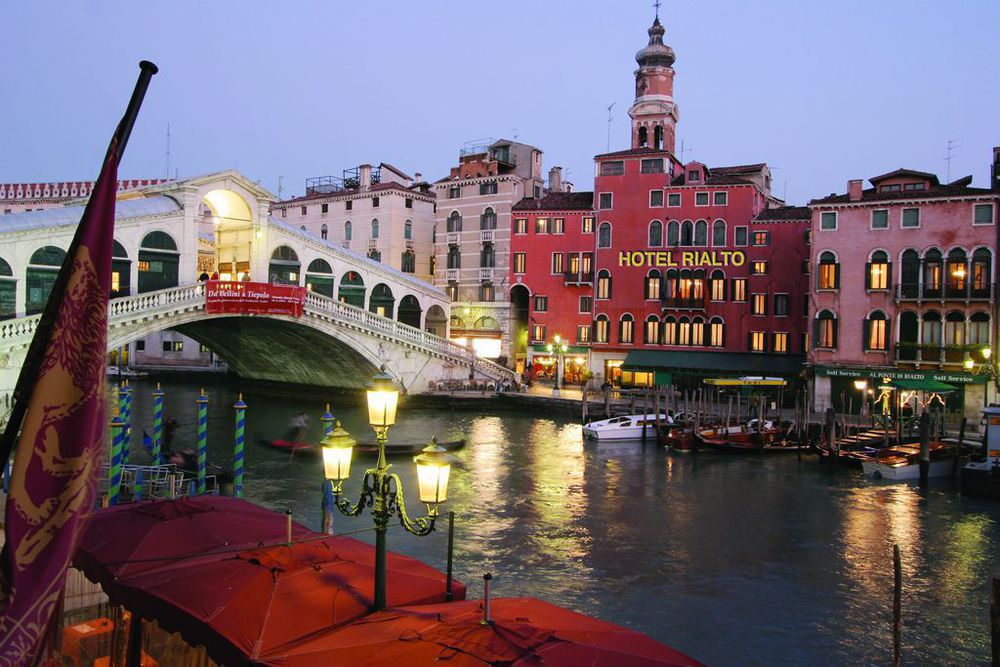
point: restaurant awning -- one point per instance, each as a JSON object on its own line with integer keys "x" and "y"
{"x": 715, "y": 363}
{"x": 920, "y": 385}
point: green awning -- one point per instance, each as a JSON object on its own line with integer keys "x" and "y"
{"x": 920, "y": 385}
{"x": 715, "y": 363}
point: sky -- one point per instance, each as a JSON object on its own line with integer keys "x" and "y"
{"x": 281, "y": 91}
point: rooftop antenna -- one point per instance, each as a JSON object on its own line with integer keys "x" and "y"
{"x": 683, "y": 150}
{"x": 515, "y": 132}
{"x": 952, "y": 144}
{"x": 610, "y": 117}
{"x": 280, "y": 188}
{"x": 168, "y": 152}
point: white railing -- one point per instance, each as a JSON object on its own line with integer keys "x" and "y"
{"x": 486, "y": 235}
{"x": 454, "y": 238}
{"x": 485, "y": 275}
{"x": 173, "y": 300}
{"x": 451, "y": 275}
{"x": 409, "y": 244}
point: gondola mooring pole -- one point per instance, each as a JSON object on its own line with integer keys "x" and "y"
{"x": 241, "y": 420}
{"x": 157, "y": 424}
{"x": 448, "y": 594}
{"x": 202, "y": 402}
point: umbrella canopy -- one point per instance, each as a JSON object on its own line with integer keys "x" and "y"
{"x": 522, "y": 631}
{"x": 130, "y": 539}
{"x": 246, "y": 604}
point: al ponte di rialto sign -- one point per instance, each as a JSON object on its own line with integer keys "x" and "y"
{"x": 684, "y": 259}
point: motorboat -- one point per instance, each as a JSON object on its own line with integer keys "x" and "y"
{"x": 626, "y": 427}
{"x": 754, "y": 436}
{"x": 903, "y": 463}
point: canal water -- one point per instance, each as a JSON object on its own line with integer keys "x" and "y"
{"x": 733, "y": 560}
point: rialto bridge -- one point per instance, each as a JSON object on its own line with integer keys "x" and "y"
{"x": 170, "y": 238}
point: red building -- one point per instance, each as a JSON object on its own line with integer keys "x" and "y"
{"x": 552, "y": 269}
{"x": 697, "y": 271}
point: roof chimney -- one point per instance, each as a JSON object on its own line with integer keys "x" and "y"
{"x": 995, "y": 170}
{"x": 555, "y": 179}
{"x": 364, "y": 177}
{"x": 567, "y": 186}
{"x": 854, "y": 189}
{"x": 417, "y": 177}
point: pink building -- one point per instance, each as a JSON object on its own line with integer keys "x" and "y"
{"x": 903, "y": 285}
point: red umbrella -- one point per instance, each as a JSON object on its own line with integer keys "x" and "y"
{"x": 130, "y": 539}
{"x": 252, "y": 602}
{"x": 522, "y": 631}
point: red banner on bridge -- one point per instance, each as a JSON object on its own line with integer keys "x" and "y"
{"x": 224, "y": 297}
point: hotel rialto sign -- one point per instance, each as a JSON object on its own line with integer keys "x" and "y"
{"x": 686, "y": 259}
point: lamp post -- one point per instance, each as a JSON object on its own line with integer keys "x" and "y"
{"x": 558, "y": 348}
{"x": 862, "y": 387}
{"x": 989, "y": 368}
{"x": 380, "y": 489}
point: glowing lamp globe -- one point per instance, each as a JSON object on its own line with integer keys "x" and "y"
{"x": 337, "y": 449}
{"x": 433, "y": 471}
{"x": 382, "y": 400}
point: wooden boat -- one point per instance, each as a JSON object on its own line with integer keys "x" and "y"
{"x": 626, "y": 427}
{"x": 678, "y": 439}
{"x": 748, "y": 438}
{"x": 287, "y": 446}
{"x": 902, "y": 462}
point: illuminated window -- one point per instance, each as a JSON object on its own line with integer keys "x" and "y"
{"x": 603, "y": 284}
{"x": 583, "y": 334}
{"x": 876, "y": 330}
{"x": 519, "y": 262}
{"x": 542, "y": 226}
{"x": 780, "y": 341}
{"x": 669, "y": 331}
{"x": 698, "y": 331}
{"x": 757, "y": 341}
{"x": 538, "y": 332}
{"x": 601, "y": 329}
{"x": 651, "y": 335}
{"x": 653, "y": 284}
{"x": 716, "y": 332}
{"x": 758, "y": 304}
{"x": 116, "y": 281}
{"x": 717, "y": 286}
{"x": 829, "y": 271}
{"x": 684, "y": 332}
{"x": 587, "y": 225}
{"x": 520, "y": 225}
{"x": 826, "y": 329}
{"x": 559, "y": 225}
{"x": 761, "y": 238}
{"x": 541, "y": 304}
{"x": 557, "y": 262}
{"x": 739, "y": 289}
{"x": 759, "y": 268}
{"x": 878, "y": 271}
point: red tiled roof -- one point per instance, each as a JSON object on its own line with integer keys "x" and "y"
{"x": 934, "y": 192}
{"x": 558, "y": 201}
{"x": 376, "y": 187}
{"x": 904, "y": 173}
{"x": 634, "y": 151}
{"x": 785, "y": 213}
{"x": 740, "y": 169}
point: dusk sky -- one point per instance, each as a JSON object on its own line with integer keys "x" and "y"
{"x": 822, "y": 92}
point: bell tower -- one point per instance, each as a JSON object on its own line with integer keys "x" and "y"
{"x": 654, "y": 114}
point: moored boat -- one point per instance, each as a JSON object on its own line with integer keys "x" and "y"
{"x": 903, "y": 463}
{"x": 769, "y": 437}
{"x": 626, "y": 427}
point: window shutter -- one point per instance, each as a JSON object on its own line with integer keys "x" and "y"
{"x": 866, "y": 327}
{"x": 868, "y": 275}
{"x": 815, "y": 333}
{"x": 888, "y": 335}
{"x": 888, "y": 277}
{"x": 723, "y": 335}
{"x": 836, "y": 275}
{"x": 835, "y": 328}
{"x": 749, "y": 342}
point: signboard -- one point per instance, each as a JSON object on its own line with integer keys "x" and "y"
{"x": 687, "y": 259}
{"x": 244, "y": 298}
{"x": 878, "y": 374}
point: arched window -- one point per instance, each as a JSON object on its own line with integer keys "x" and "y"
{"x": 909, "y": 336}
{"x": 954, "y": 329}
{"x": 717, "y": 285}
{"x": 701, "y": 233}
{"x": 121, "y": 271}
{"x": 877, "y": 272}
{"x": 352, "y": 289}
{"x": 158, "y": 263}
{"x": 669, "y": 330}
{"x": 651, "y": 335}
{"x": 670, "y": 286}
{"x": 375, "y": 228}
{"x": 488, "y": 220}
{"x": 653, "y": 285}
{"x": 684, "y": 331}
{"x": 603, "y": 284}
{"x": 979, "y": 330}
{"x": 932, "y": 273}
{"x": 454, "y": 257}
{"x": 8, "y": 291}
{"x": 825, "y": 333}
{"x": 982, "y": 262}
{"x": 408, "y": 230}
{"x": 348, "y": 231}
{"x": 323, "y": 231}
{"x": 697, "y": 331}
{"x": 673, "y": 233}
{"x": 409, "y": 311}
{"x": 604, "y": 235}
{"x": 719, "y": 233}
{"x": 958, "y": 272}
{"x": 284, "y": 266}
{"x": 643, "y": 137}
{"x": 626, "y": 329}
{"x": 381, "y": 300}
{"x": 319, "y": 277}
{"x": 717, "y": 332}
{"x": 877, "y": 332}
{"x": 930, "y": 336}
{"x": 454, "y": 222}
{"x": 487, "y": 256}
{"x": 687, "y": 233}
{"x": 829, "y": 271}
{"x": 655, "y": 234}
{"x": 909, "y": 274}
{"x": 601, "y": 329}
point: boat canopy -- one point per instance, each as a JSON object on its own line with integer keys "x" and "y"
{"x": 747, "y": 381}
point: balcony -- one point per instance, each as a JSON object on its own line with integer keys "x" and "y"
{"x": 486, "y": 275}
{"x": 936, "y": 355}
{"x": 576, "y": 278}
{"x": 373, "y": 244}
{"x": 487, "y": 235}
{"x": 454, "y": 238}
{"x": 683, "y": 302}
{"x": 943, "y": 293}
{"x": 452, "y": 275}
{"x": 408, "y": 244}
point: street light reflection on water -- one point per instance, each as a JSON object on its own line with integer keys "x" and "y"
{"x": 733, "y": 560}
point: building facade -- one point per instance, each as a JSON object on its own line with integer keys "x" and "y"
{"x": 379, "y": 211}
{"x": 472, "y": 238}
{"x": 904, "y": 287}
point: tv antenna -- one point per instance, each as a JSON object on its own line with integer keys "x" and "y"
{"x": 683, "y": 150}
{"x": 952, "y": 144}
{"x": 280, "y": 188}
{"x": 610, "y": 118}
{"x": 168, "y": 152}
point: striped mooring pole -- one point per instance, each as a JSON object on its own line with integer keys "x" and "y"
{"x": 115, "y": 470}
{"x": 327, "y": 419}
{"x": 241, "y": 417}
{"x": 202, "y": 402}
{"x": 125, "y": 399}
{"x": 157, "y": 424}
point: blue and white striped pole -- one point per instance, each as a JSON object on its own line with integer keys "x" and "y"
{"x": 241, "y": 416}
{"x": 202, "y": 402}
{"x": 157, "y": 425}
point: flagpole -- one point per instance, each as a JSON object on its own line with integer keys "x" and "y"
{"x": 40, "y": 341}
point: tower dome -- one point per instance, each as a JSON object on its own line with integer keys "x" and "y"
{"x": 656, "y": 53}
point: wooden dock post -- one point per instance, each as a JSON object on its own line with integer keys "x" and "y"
{"x": 583, "y": 415}
{"x": 925, "y": 446}
{"x": 607, "y": 403}
{"x": 831, "y": 431}
{"x": 897, "y": 603}
{"x": 995, "y": 622}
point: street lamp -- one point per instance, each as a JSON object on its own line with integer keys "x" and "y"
{"x": 380, "y": 489}
{"x": 559, "y": 348}
{"x": 989, "y": 368}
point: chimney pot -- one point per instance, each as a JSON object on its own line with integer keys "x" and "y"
{"x": 555, "y": 179}
{"x": 365, "y": 176}
{"x": 854, "y": 189}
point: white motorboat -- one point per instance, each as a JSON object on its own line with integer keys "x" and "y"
{"x": 627, "y": 427}
{"x": 902, "y": 463}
